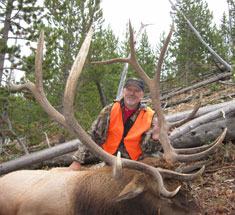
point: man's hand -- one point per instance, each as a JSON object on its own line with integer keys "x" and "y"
{"x": 155, "y": 135}
{"x": 75, "y": 166}
{"x": 156, "y": 130}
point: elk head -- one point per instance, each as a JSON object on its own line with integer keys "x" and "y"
{"x": 68, "y": 119}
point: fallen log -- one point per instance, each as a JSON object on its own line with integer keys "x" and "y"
{"x": 202, "y": 134}
{"x": 38, "y": 157}
{"x": 200, "y": 112}
{"x": 206, "y": 132}
{"x": 194, "y": 133}
{"x": 205, "y": 127}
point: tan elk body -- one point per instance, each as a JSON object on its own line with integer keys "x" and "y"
{"x": 136, "y": 188}
{"x": 93, "y": 192}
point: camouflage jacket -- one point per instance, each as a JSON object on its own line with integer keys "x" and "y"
{"x": 99, "y": 132}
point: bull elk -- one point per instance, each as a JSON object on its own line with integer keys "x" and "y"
{"x": 123, "y": 186}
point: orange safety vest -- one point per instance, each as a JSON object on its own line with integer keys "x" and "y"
{"x": 132, "y": 140}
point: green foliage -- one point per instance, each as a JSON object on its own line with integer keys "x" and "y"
{"x": 3, "y": 46}
{"x": 145, "y": 55}
{"x": 104, "y": 46}
{"x": 168, "y": 61}
{"x": 213, "y": 87}
{"x": 22, "y": 124}
{"x": 19, "y": 21}
{"x": 190, "y": 54}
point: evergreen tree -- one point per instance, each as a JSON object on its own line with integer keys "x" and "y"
{"x": 68, "y": 24}
{"x": 190, "y": 54}
{"x": 18, "y": 21}
{"x": 100, "y": 83}
{"x": 145, "y": 55}
{"x": 168, "y": 61}
{"x": 223, "y": 41}
{"x": 109, "y": 76}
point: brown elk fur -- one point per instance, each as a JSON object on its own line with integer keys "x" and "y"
{"x": 62, "y": 192}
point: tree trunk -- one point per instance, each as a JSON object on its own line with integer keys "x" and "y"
{"x": 102, "y": 96}
{"x": 5, "y": 31}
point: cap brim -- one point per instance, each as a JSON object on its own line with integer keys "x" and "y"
{"x": 134, "y": 85}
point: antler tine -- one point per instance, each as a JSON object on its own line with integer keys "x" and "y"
{"x": 162, "y": 54}
{"x": 181, "y": 176}
{"x": 197, "y": 149}
{"x": 154, "y": 87}
{"x": 155, "y": 172}
{"x": 133, "y": 61}
{"x": 69, "y": 93}
{"x": 37, "y": 89}
{"x": 204, "y": 152}
{"x": 189, "y": 117}
{"x": 38, "y": 61}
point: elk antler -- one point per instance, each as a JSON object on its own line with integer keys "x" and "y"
{"x": 170, "y": 154}
{"x": 69, "y": 121}
{"x": 85, "y": 138}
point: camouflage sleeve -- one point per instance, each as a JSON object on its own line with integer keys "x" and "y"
{"x": 99, "y": 128}
{"x": 148, "y": 145}
{"x": 80, "y": 154}
{"x": 98, "y": 133}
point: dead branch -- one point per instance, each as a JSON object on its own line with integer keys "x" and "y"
{"x": 6, "y": 118}
{"x": 198, "y": 85}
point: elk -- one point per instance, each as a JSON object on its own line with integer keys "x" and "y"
{"x": 123, "y": 186}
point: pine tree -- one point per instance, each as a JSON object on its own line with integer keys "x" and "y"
{"x": 66, "y": 24}
{"x": 99, "y": 83}
{"x": 145, "y": 55}
{"x": 106, "y": 46}
{"x": 223, "y": 43}
{"x": 18, "y": 22}
{"x": 190, "y": 55}
{"x": 168, "y": 61}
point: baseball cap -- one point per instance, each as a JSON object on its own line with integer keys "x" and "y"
{"x": 135, "y": 81}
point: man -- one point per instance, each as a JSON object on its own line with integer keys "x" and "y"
{"x": 126, "y": 126}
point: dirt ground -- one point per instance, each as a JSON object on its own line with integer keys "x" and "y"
{"x": 215, "y": 189}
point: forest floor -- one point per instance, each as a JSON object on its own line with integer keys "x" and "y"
{"x": 215, "y": 189}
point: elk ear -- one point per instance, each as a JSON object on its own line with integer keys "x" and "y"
{"x": 131, "y": 190}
